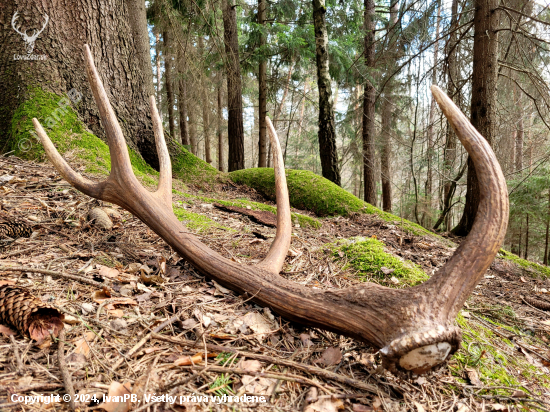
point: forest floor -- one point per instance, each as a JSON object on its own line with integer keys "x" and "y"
{"x": 167, "y": 330}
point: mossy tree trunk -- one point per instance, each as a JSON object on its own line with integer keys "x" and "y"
{"x": 327, "y": 132}
{"x": 105, "y": 26}
{"x": 483, "y": 103}
{"x": 235, "y": 131}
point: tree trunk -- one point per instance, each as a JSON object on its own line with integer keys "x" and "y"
{"x": 205, "y": 110}
{"x": 449, "y": 155}
{"x": 191, "y": 113}
{"x": 519, "y": 138}
{"x": 526, "y": 255}
{"x": 159, "y": 84}
{"x": 545, "y": 261}
{"x": 327, "y": 132}
{"x": 387, "y": 114}
{"x": 137, "y": 16}
{"x": 431, "y": 117}
{"x": 166, "y": 38}
{"x": 369, "y": 99}
{"x": 219, "y": 116}
{"x": 235, "y": 132}
{"x": 262, "y": 85}
{"x": 182, "y": 98}
{"x": 105, "y": 26}
{"x": 485, "y": 69}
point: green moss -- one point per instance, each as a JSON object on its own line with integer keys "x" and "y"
{"x": 526, "y": 264}
{"x": 312, "y": 192}
{"x": 491, "y": 356}
{"x": 67, "y": 133}
{"x": 302, "y": 220}
{"x": 367, "y": 257}
{"x": 197, "y": 222}
{"x": 190, "y": 169}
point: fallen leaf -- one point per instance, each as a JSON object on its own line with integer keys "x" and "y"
{"x": 387, "y": 271}
{"x": 116, "y": 394}
{"x": 258, "y": 324}
{"x": 522, "y": 279}
{"x": 4, "y": 330}
{"x": 7, "y": 282}
{"x": 306, "y": 340}
{"x": 519, "y": 394}
{"x": 117, "y": 313}
{"x": 82, "y": 344}
{"x": 419, "y": 407}
{"x": 253, "y": 384}
{"x": 473, "y": 377}
{"x": 394, "y": 280}
{"x": 331, "y": 356}
{"x": 357, "y": 407}
{"x": 107, "y": 272}
{"x": 220, "y": 288}
{"x": 499, "y": 407}
{"x": 325, "y": 405}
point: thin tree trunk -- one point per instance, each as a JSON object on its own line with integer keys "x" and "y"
{"x": 485, "y": 69}
{"x": 262, "y": 85}
{"x": 387, "y": 115}
{"x": 168, "y": 81}
{"x": 327, "y": 130}
{"x": 182, "y": 99}
{"x": 519, "y": 137}
{"x": 205, "y": 110}
{"x": 369, "y": 98}
{"x": 526, "y": 255}
{"x": 191, "y": 113}
{"x": 235, "y": 131}
{"x": 159, "y": 85}
{"x": 220, "y": 123}
{"x": 431, "y": 117}
{"x": 449, "y": 155}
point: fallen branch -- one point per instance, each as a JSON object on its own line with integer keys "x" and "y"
{"x": 67, "y": 381}
{"x": 51, "y": 273}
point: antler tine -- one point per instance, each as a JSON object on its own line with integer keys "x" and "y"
{"x": 120, "y": 159}
{"x": 164, "y": 190}
{"x": 275, "y": 258}
{"x": 93, "y": 189}
{"x": 477, "y": 251}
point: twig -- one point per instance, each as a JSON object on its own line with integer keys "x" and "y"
{"x": 532, "y": 307}
{"x": 52, "y": 273}
{"x": 283, "y": 362}
{"x": 17, "y": 252}
{"x": 67, "y": 381}
{"x": 20, "y": 366}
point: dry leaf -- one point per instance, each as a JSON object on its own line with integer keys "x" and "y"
{"x": 253, "y": 384}
{"x": 116, "y": 401}
{"x": 325, "y": 405}
{"x": 81, "y": 345}
{"x": 188, "y": 360}
{"x": 331, "y": 356}
{"x": 4, "y": 330}
{"x": 107, "y": 272}
{"x": 473, "y": 377}
{"x": 117, "y": 313}
{"x": 357, "y": 407}
{"x": 419, "y": 407}
{"x": 258, "y": 324}
{"x": 7, "y": 282}
{"x": 306, "y": 340}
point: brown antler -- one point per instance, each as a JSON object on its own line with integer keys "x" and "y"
{"x": 414, "y": 328}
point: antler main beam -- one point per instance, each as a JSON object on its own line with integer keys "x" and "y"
{"x": 414, "y": 328}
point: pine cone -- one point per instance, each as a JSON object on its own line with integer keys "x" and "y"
{"x": 29, "y": 315}
{"x": 15, "y": 230}
{"x": 540, "y": 304}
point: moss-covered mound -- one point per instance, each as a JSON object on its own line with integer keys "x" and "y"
{"x": 190, "y": 169}
{"x": 367, "y": 257}
{"x": 531, "y": 267}
{"x": 315, "y": 193}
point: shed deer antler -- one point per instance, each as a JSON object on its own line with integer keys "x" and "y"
{"x": 414, "y": 328}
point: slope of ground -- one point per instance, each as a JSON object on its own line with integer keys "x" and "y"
{"x": 163, "y": 317}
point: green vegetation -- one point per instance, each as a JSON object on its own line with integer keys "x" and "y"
{"x": 492, "y": 356}
{"x": 367, "y": 257}
{"x": 302, "y": 220}
{"x": 312, "y": 192}
{"x": 190, "y": 169}
{"x": 531, "y": 267}
{"x": 67, "y": 133}
{"x": 195, "y": 221}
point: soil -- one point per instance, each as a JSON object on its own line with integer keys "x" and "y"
{"x": 152, "y": 334}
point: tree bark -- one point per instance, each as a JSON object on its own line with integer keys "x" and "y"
{"x": 205, "y": 111}
{"x": 191, "y": 113}
{"x": 387, "y": 113}
{"x": 220, "y": 123}
{"x": 159, "y": 84}
{"x": 369, "y": 153}
{"x": 449, "y": 155}
{"x": 182, "y": 99}
{"x": 547, "y": 238}
{"x": 105, "y": 27}
{"x": 137, "y": 16}
{"x": 485, "y": 69}
{"x": 262, "y": 85}
{"x": 327, "y": 132}
{"x": 166, "y": 38}
{"x": 235, "y": 131}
